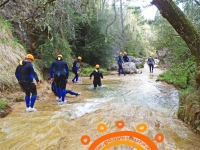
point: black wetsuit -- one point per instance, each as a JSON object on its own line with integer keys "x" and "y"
{"x": 97, "y": 77}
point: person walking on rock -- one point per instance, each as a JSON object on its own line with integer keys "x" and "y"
{"x": 59, "y": 74}
{"x": 25, "y": 74}
{"x": 97, "y": 77}
{"x": 76, "y": 69}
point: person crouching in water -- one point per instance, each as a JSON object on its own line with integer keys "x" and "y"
{"x": 151, "y": 63}
{"x": 97, "y": 77}
{"x": 25, "y": 74}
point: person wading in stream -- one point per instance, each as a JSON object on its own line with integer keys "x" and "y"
{"x": 59, "y": 74}
{"x": 25, "y": 74}
{"x": 120, "y": 61}
{"x": 76, "y": 69}
{"x": 97, "y": 77}
{"x": 151, "y": 63}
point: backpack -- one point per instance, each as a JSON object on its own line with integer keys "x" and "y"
{"x": 150, "y": 61}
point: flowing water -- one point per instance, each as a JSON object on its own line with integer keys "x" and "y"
{"x": 135, "y": 99}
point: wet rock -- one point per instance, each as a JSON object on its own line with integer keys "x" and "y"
{"x": 198, "y": 128}
{"x": 4, "y": 112}
{"x": 139, "y": 62}
{"x": 19, "y": 99}
{"x": 162, "y": 53}
{"x": 129, "y": 67}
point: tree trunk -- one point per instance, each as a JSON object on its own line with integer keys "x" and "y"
{"x": 170, "y": 11}
{"x": 122, "y": 18}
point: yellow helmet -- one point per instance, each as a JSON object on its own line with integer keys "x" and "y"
{"x": 120, "y": 53}
{"x": 125, "y": 53}
{"x": 97, "y": 66}
{"x": 59, "y": 55}
{"x": 79, "y": 58}
{"x": 29, "y": 56}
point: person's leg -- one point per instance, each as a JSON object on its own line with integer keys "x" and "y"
{"x": 71, "y": 92}
{"x": 119, "y": 70}
{"x": 95, "y": 84}
{"x": 57, "y": 85}
{"x": 76, "y": 77}
{"x": 27, "y": 99}
{"x": 123, "y": 71}
{"x": 152, "y": 68}
{"x": 53, "y": 88}
{"x": 99, "y": 84}
{"x": 34, "y": 94}
{"x": 63, "y": 88}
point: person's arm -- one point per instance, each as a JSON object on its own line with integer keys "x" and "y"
{"x": 91, "y": 74}
{"x": 51, "y": 70}
{"x": 17, "y": 75}
{"x": 102, "y": 75}
{"x": 35, "y": 75}
{"x": 67, "y": 70}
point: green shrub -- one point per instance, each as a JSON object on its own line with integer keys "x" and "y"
{"x": 2, "y": 104}
{"x": 88, "y": 70}
{"x": 179, "y": 81}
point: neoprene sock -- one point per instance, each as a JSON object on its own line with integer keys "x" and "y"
{"x": 27, "y": 99}
{"x": 63, "y": 94}
{"x": 33, "y": 98}
{"x": 58, "y": 91}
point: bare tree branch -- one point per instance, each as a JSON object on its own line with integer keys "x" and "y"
{"x": 114, "y": 18}
{"x": 198, "y": 3}
{"x": 4, "y": 3}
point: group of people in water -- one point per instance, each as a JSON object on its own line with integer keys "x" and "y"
{"x": 59, "y": 74}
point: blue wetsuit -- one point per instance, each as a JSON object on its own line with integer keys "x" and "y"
{"x": 120, "y": 62}
{"x": 151, "y": 64}
{"x": 75, "y": 69}
{"x": 53, "y": 88}
{"x": 125, "y": 57}
{"x": 59, "y": 71}
{"x": 25, "y": 74}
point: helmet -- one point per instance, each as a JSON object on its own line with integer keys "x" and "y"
{"x": 120, "y": 53}
{"x": 29, "y": 56}
{"x": 79, "y": 58}
{"x": 59, "y": 55}
{"x": 125, "y": 53}
{"x": 97, "y": 66}
{"x": 151, "y": 55}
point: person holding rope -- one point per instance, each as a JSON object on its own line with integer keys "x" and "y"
{"x": 25, "y": 74}
{"x": 59, "y": 74}
{"x": 76, "y": 69}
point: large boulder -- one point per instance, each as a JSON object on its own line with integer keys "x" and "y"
{"x": 139, "y": 62}
{"x": 129, "y": 67}
{"x": 162, "y": 53}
